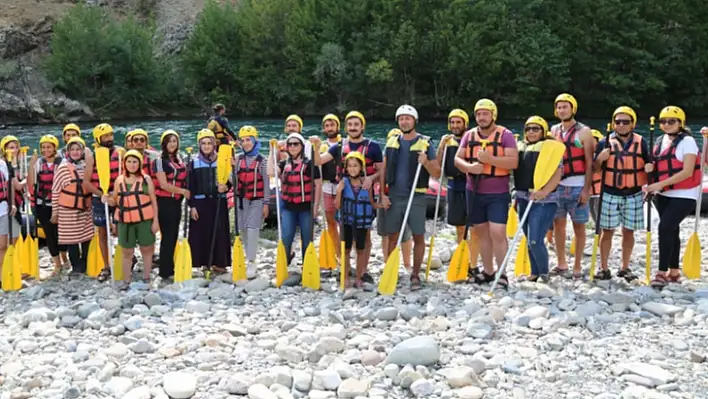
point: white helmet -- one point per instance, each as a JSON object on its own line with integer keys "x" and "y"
{"x": 406, "y": 109}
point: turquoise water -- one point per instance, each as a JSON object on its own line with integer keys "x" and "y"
{"x": 267, "y": 128}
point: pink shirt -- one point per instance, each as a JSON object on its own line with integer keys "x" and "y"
{"x": 488, "y": 184}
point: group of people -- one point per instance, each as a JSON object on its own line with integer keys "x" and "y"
{"x": 357, "y": 182}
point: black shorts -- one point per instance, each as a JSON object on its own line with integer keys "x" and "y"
{"x": 358, "y": 235}
{"x": 456, "y": 208}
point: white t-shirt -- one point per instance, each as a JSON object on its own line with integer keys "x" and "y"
{"x": 5, "y": 175}
{"x": 686, "y": 146}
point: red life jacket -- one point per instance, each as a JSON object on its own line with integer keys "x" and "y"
{"x": 369, "y": 170}
{"x": 250, "y": 186}
{"x": 297, "y": 185}
{"x": 574, "y": 157}
{"x": 176, "y": 175}
{"x": 45, "y": 180}
{"x": 114, "y": 166}
{"x": 667, "y": 165}
{"x": 4, "y": 188}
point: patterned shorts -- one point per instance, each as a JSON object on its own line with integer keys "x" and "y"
{"x": 628, "y": 211}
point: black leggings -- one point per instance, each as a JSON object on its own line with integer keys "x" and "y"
{"x": 51, "y": 230}
{"x": 169, "y": 218}
{"x": 672, "y": 212}
{"x": 78, "y": 255}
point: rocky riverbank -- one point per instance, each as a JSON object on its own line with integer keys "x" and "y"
{"x": 214, "y": 339}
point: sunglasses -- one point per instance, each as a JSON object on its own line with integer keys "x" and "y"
{"x": 535, "y": 129}
{"x": 623, "y": 122}
{"x": 668, "y": 121}
{"x": 293, "y": 144}
{"x": 139, "y": 139}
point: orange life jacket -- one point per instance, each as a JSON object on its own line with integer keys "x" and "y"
{"x": 574, "y": 157}
{"x": 667, "y": 165}
{"x": 134, "y": 205}
{"x": 625, "y": 169}
{"x": 474, "y": 146}
{"x": 72, "y": 196}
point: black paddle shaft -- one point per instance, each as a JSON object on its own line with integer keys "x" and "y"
{"x": 312, "y": 202}
{"x": 10, "y": 198}
{"x": 649, "y": 175}
{"x": 234, "y": 177}
{"x": 602, "y": 187}
{"x": 186, "y": 201}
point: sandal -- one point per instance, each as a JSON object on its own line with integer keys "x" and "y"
{"x": 603, "y": 274}
{"x": 531, "y": 279}
{"x": 557, "y": 271}
{"x": 104, "y": 275}
{"x": 503, "y": 281}
{"x": 415, "y": 283}
{"x": 659, "y": 281}
{"x": 218, "y": 270}
{"x": 627, "y": 275}
{"x": 673, "y": 279}
{"x": 479, "y": 276}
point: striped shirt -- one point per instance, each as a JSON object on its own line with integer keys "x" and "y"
{"x": 75, "y": 226}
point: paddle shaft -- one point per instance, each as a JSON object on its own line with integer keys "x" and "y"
{"x": 649, "y": 178}
{"x": 10, "y": 198}
{"x": 593, "y": 259}
{"x": 342, "y": 272}
{"x": 313, "y": 192}
{"x": 517, "y": 235}
{"x": 410, "y": 203}
{"x": 475, "y": 185}
{"x": 234, "y": 177}
{"x": 435, "y": 217}
{"x": 700, "y": 197}
{"x": 216, "y": 222}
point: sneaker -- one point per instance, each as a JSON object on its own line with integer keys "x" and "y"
{"x": 251, "y": 269}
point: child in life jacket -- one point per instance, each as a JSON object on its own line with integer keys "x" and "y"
{"x": 356, "y": 209}
{"x": 136, "y": 213}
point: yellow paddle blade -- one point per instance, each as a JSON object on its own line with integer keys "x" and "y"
{"x": 118, "y": 263}
{"x": 281, "y": 264}
{"x": 593, "y": 259}
{"x": 238, "y": 261}
{"x": 33, "y": 251}
{"x": 103, "y": 168}
{"x": 342, "y": 272}
{"x": 430, "y": 257}
{"x": 648, "y": 256}
{"x": 11, "y": 271}
{"x": 522, "y": 264}
{"x": 327, "y": 256}
{"x": 95, "y": 259}
{"x": 550, "y": 157}
{"x": 459, "y": 263}
{"x": 389, "y": 277}
{"x": 692, "y": 258}
{"x": 179, "y": 270}
{"x": 183, "y": 261}
{"x": 512, "y": 222}
{"x": 22, "y": 255}
{"x": 311, "y": 269}
{"x": 572, "y": 246}
{"x": 223, "y": 163}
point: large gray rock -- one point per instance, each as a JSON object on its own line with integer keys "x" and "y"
{"x": 416, "y": 351}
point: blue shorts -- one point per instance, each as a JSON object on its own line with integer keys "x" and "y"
{"x": 99, "y": 212}
{"x": 568, "y": 205}
{"x": 492, "y": 208}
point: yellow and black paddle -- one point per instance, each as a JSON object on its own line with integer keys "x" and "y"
{"x": 311, "y": 264}
{"x": 596, "y": 240}
{"x": 281, "y": 258}
{"x": 435, "y": 217}
{"x": 238, "y": 259}
{"x": 512, "y": 221}
{"x": 11, "y": 270}
{"x": 21, "y": 249}
{"x": 183, "y": 252}
{"x": 31, "y": 244}
{"x": 548, "y": 160}
{"x": 647, "y": 270}
{"x": 94, "y": 262}
{"x": 103, "y": 168}
{"x": 692, "y": 257}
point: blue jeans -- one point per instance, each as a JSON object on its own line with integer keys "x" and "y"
{"x": 538, "y": 222}
{"x": 290, "y": 220}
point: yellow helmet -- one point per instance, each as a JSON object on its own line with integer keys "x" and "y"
{"x": 76, "y": 139}
{"x": 48, "y": 138}
{"x": 671, "y": 111}
{"x": 204, "y": 133}
{"x": 597, "y": 134}
{"x": 332, "y": 117}
{"x": 101, "y": 130}
{"x": 167, "y": 133}
{"x": 625, "y": 110}
{"x": 358, "y": 115}
{"x": 356, "y": 155}
{"x": 71, "y": 126}
{"x": 137, "y": 132}
{"x": 567, "y": 98}
{"x": 537, "y": 120}
{"x": 6, "y": 140}
{"x": 393, "y": 132}
{"x": 133, "y": 153}
{"x": 487, "y": 104}
{"x": 247, "y": 131}
{"x": 293, "y": 117}
{"x": 458, "y": 113}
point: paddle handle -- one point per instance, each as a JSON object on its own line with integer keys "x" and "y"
{"x": 410, "y": 203}
{"x": 517, "y": 236}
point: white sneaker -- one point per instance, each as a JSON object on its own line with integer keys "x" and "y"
{"x": 251, "y": 269}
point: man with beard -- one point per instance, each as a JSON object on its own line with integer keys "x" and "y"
{"x": 576, "y": 186}
{"x": 103, "y": 137}
{"x": 220, "y": 125}
{"x": 330, "y": 127}
{"x": 628, "y": 162}
{"x": 355, "y": 125}
{"x": 404, "y": 153}
{"x": 488, "y": 153}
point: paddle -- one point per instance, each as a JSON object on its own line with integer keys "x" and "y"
{"x": 183, "y": 252}
{"x": 549, "y": 158}
{"x": 692, "y": 257}
{"x": 343, "y": 271}
{"x": 94, "y": 261}
{"x": 596, "y": 240}
{"x": 103, "y": 167}
{"x": 512, "y": 221}
{"x": 389, "y": 277}
{"x": 435, "y": 217}
{"x": 21, "y": 249}
{"x": 327, "y": 255}
{"x": 31, "y": 244}
{"x": 522, "y": 265}
{"x": 11, "y": 270}
{"x": 281, "y": 258}
{"x": 238, "y": 266}
{"x": 647, "y": 270}
{"x": 311, "y": 265}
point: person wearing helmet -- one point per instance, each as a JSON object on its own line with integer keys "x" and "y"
{"x": 69, "y": 131}
{"x": 488, "y": 153}
{"x": 355, "y": 124}
{"x": 40, "y": 178}
{"x": 103, "y": 136}
{"x": 540, "y": 216}
{"x": 627, "y": 161}
{"x": 356, "y": 205}
{"x": 136, "y": 213}
{"x": 403, "y": 155}
{"x": 220, "y": 125}
{"x": 677, "y": 188}
{"x": 209, "y": 214}
{"x": 330, "y": 128}
{"x": 252, "y": 188}
{"x": 169, "y": 176}
{"x": 141, "y": 142}
{"x": 576, "y": 185}
{"x": 71, "y": 205}
{"x": 301, "y": 184}
{"x": 293, "y": 124}
{"x": 10, "y": 145}
{"x": 7, "y": 190}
